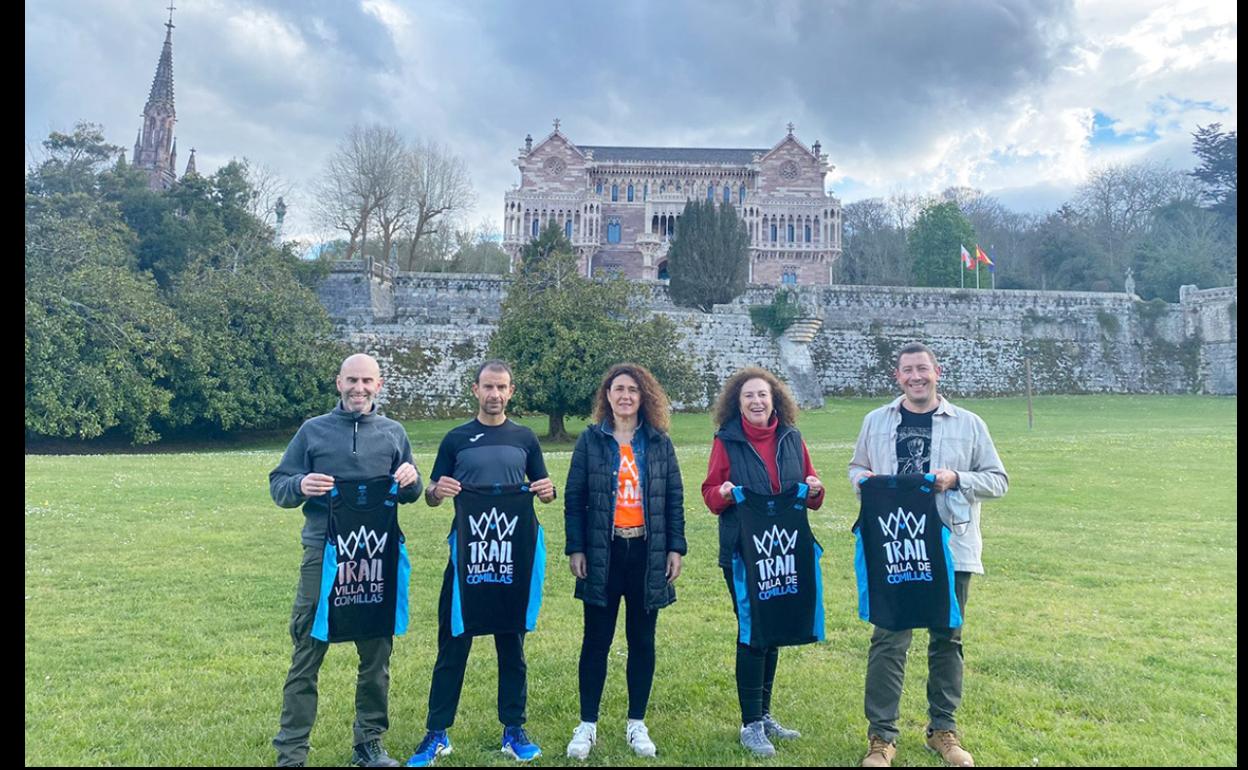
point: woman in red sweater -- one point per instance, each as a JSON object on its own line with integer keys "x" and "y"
{"x": 758, "y": 447}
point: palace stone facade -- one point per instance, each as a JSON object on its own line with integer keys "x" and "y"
{"x": 620, "y": 206}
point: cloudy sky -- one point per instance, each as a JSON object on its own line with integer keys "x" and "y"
{"x": 1020, "y": 98}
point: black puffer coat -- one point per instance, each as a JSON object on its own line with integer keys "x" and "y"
{"x": 589, "y": 510}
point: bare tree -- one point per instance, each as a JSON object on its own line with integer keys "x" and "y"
{"x": 875, "y": 247}
{"x": 1117, "y": 205}
{"x": 269, "y": 188}
{"x": 905, "y": 208}
{"x": 362, "y": 174}
{"x": 440, "y": 188}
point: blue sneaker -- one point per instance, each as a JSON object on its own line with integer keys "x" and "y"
{"x": 435, "y": 744}
{"x": 517, "y": 745}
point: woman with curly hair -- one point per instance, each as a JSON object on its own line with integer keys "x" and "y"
{"x": 757, "y": 446}
{"x": 625, "y": 517}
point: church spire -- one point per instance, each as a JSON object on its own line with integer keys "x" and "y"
{"x": 162, "y": 84}
{"x": 155, "y": 150}
{"x": 190, "y": 164}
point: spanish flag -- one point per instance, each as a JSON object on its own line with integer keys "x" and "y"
{"x": 981, "y": 258}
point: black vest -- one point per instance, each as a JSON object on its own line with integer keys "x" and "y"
{"x": 365, "y": 570}
{"x": 775, "y": 573}
{"x": 499, "y": 552}
{"x": 747, "y": 470}
{"x": 902, "y": 559}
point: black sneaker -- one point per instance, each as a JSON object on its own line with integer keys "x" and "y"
{"x": 372, "y": 754}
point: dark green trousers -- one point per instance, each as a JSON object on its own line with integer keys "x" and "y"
{"x": 886, "y": 671}
{"x": 372, "y": 685}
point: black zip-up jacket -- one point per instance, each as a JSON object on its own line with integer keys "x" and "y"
{"x": 589, "y": 510}
{"x": 747, "y": 470}
{"x": 345, "y": 445}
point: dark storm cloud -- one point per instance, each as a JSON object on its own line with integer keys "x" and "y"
{"x": 857, "y": 74}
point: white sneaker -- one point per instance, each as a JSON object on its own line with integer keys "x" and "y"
{"x": 639, "y": 739}
{"x": 583, "y": 739}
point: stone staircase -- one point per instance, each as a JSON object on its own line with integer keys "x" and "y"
{"x": 803, "y": 330}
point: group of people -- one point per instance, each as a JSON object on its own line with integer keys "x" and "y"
{"x": 625, "y": 540}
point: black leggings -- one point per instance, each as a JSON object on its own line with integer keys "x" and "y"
{"x": 756, "y": 671}
{"x": 626, "y": 578}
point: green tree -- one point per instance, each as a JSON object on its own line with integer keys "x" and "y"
{"x": 262, "y": 351}
{"x": 1065, "y": 256}
{"x": 560, "y": 331}
{"x": 1182, "y": 246}
{"x": 709, "y": 258}
{"x": 934, "y": 244}
{"x": 148, "y": 312}
{"x": 72, "y": 162}
{"x": 99, "y": 343}
{"x": 1219, "y": 166}
{"x": 549, "y": 241}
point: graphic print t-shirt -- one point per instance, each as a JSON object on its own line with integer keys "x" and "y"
{"x": 914, "y": 442}
{"x": 628, "y": 511}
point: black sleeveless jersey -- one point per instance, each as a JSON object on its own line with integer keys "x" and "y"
{"x": 775, "y": 570}
{"x": 902, "y": 558}
{"x": 498, "y": 550}
{"x": 365, "y": 571}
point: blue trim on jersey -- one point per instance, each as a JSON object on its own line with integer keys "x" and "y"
{"x": 742, "y": 595}
{"x": 536, "y": 580}
{"x": 955, "y": 612}
{"x": 329, "y": 570}
{"x": 738, "y": 494}
{"x": 819, "y": 622}
{"x": 404, "y": 577}
{"x": 860, "y": 570}
{"x": 457, "y": 609}
{"x": 802, "y": 489}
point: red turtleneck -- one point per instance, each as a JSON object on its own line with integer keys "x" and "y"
{"x": 764, "y": 441}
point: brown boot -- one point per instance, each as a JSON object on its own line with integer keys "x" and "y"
{"x": 880, "y": 753}
{"x": 945, "y": 743}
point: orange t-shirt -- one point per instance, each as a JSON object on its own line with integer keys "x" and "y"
{"x": 628, "y": 511}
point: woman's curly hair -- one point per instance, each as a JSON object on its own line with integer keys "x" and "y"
{"x": 728, "y": 403}
{"x": 655, "y": 408}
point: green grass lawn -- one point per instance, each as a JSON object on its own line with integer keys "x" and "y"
{"x": 158, "y": 591}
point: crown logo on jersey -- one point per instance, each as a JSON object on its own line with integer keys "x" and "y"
{"x": 373, "y": 544}
{"x": 493, "y": 520}
{"x": 775, "y": 539}
{"x": 901, "y": 521}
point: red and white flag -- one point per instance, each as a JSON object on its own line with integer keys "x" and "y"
{"x": 967, "y": 262}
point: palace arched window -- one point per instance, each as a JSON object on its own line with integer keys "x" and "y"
{"x": 710, "y": 192}
{"x": 613, "y": 230}
{"x": 727, "y": 193}
{"x": 741, "y": 194}
{"x": 773, "y": 233}
{"x": 535, "y": 227}
{"x": 790, "y": 232}
{"x": 567, "y": 228}
{"x": 615, "y": 192}
{"x": 630, "y": 193}
{"x": 808, "y": 233}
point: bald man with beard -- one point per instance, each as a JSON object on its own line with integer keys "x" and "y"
{"x": 354, "y": 441}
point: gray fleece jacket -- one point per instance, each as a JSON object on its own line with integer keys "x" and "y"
{"x": 345, "y": 445}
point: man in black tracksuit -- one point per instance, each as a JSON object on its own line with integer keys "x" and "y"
{"x": 487, "y": 451}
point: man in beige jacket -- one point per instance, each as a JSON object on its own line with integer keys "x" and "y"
{"x": 921, "y": 432}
